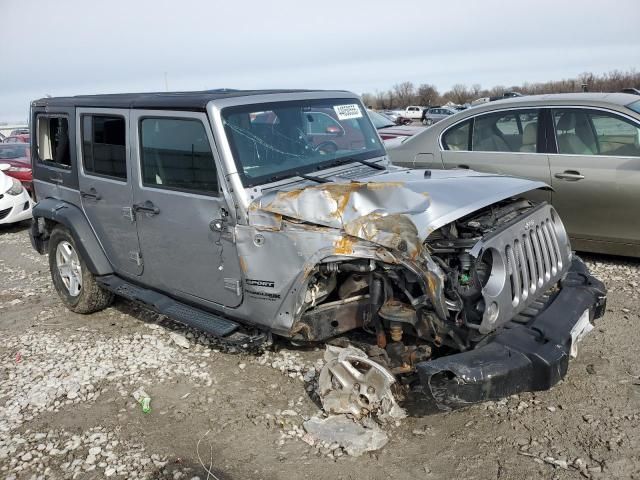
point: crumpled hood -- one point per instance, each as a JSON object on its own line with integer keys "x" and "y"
{"x": 397, "y": 209}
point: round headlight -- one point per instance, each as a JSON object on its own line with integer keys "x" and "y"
{"x": 16, "y": 187}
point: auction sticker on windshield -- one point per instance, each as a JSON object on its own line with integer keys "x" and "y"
{"x": 347, "y": 112}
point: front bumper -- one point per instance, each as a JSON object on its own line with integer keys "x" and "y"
{"x": 519, "y": 358}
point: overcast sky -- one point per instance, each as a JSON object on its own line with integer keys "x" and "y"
{"x": 68, "y": 47}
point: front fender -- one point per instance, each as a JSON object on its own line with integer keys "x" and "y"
{"x": 67, "y": 214}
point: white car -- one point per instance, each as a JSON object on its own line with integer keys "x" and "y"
{"x": 413, "y": 112}
{"x": 15, "y": 203}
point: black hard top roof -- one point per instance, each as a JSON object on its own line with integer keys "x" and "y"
{"x": 154, "y": 100}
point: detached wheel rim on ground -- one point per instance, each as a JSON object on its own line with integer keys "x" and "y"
{"x": 69, "y": 268}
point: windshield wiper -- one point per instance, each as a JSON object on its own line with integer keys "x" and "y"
{"x": 377, "y": 166}
{"x": 313, "y": 178}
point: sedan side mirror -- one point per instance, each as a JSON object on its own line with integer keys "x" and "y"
{"x": 4, "y": 167}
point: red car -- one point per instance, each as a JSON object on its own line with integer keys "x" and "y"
{"x": 19, "y": 138}
{"x": 388, "y": 129}
{"x": 18, "y": 155}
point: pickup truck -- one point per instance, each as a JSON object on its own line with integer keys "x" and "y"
{"x": 414, "y": 112}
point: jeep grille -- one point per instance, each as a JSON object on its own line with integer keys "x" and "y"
{"x": 527, "y": 257}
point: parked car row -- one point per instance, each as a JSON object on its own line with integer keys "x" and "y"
{"x": 586, "y": 146}
{"x": 435, "y": 114}
{"x": 388, "y": 129}
{"x": 14, "y": 135}
{"x": 17, "y": 138}
{"x": 396, "y": 117}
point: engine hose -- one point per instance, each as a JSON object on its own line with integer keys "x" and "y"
{"x": 375, "y": 300}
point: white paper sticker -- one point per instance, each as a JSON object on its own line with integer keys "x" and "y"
{"x": 347, "y": 112}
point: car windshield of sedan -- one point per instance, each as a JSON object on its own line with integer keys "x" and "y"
{"x": 635, "y": 106}
{"x": 10, "y": 151}
{"x": 271, "y": 141}
{"x": 379, "y": 120}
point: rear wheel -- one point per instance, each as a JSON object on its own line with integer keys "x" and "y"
{"x": 75, "y": 284}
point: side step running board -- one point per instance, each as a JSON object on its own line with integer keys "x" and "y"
{"x": 193, "y": 317}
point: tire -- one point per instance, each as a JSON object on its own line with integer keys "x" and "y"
{"x": 424, "y": 121}
{"x": 428, "y": 122}
{"x": 75, "y": 284}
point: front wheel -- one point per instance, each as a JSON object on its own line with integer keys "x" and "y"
{"x": 75, "y": 284}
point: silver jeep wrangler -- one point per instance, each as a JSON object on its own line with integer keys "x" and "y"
{"x": 248, "y": 214}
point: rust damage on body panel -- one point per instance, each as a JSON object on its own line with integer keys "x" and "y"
{"x": 378, "y": 212}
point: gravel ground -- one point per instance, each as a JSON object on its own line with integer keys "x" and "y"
{"x": 67, "y": 408}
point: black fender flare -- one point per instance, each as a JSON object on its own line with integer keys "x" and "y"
{"x": 74, "y": 219}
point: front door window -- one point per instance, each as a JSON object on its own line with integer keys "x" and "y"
{"x": 176, "y": 155}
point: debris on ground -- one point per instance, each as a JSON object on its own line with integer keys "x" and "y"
{"x": 68, "y": 394}
{"x": 179, "y": 340}
{"x": 351, "y": 436}
{"x": 351, "y": 383}
{"x": 143, "y": 399}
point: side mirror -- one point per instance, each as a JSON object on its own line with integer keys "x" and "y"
{"x": 4, "y": 167}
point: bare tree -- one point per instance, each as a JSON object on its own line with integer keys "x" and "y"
{"x": 459, "y": 94}
{"x": 391, "y": 99}
{"x": 368, "y": 100}
{"x": 427, "y": 95}
{"x": 497, "y": 91}
{"x": 405, "y": 93}
{"x": 381, "y": 100}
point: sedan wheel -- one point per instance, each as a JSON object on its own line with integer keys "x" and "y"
{"x": 69, "y": 268}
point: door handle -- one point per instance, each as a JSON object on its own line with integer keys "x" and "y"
{"x": 56, "y": 179}
{"x": 570, "y": 175}
{"x": 466, "y": 167}
{"x": 147, "y": 207}
{"x": 92, "y": 193}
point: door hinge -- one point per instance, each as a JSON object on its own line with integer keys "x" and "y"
{"x": 234, "y": 285}
{"x": 136, "y": 257}
{"x": 127, "y": 212}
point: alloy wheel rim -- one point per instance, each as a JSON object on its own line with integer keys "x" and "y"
{"x": 69, "y": 268}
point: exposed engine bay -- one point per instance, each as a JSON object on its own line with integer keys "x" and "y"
{"x": 391, "y": 317}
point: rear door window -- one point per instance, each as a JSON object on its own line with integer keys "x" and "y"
{"x": 176, "y": 155}
{"x": 53, "y": 141}
{"x": 594, "y": 132}
{"x": 457, "y": 137}
{"x": 514, "y": 131}
{"x": 104, "y": 146}
{"x": 615, "y": 136}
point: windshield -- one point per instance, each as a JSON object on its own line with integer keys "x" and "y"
{"x": 635, "y": 106}
{"x": 13, "y": 150}
{"x": 277, "y": 140}
{"x": 379, "y": 120}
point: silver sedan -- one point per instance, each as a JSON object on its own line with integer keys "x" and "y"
{"x": 586, "y": 146}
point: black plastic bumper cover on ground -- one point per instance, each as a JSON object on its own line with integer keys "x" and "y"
{"x": 521, "y": 358}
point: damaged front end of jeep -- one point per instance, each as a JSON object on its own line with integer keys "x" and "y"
{"x": 490, "y": 303}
